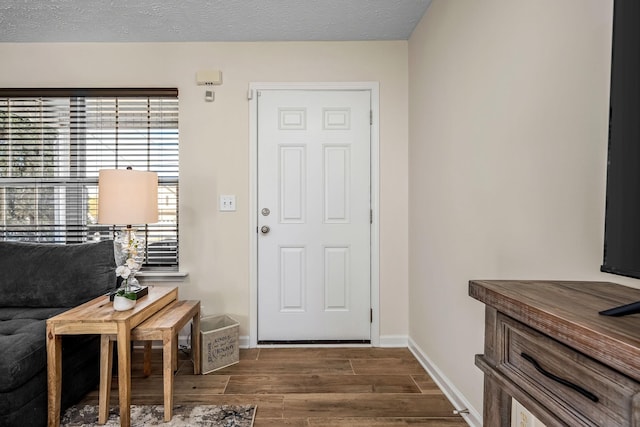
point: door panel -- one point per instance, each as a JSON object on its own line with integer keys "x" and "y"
{"x": 314, "y": 179}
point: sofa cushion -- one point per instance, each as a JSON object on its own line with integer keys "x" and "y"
{"x": 50, "y": 275}
{"x": 23, "y": 389}
{"x": 22, "y": 344}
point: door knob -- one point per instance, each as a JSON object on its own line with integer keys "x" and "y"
{"x": 265, "y": 229}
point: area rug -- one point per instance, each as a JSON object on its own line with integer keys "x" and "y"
{"x": 153, "y": 415}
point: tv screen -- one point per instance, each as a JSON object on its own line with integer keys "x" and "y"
{"x": 622, "y": 218}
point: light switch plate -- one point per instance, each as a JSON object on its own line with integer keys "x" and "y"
{"x": 227, "y": 203}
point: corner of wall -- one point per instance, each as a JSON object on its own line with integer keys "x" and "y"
{"x": 457, "y": 399}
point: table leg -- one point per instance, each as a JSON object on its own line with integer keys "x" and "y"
{"x": 106, "y": 367}
{"x": 124, "y": 373}
{"x": 147, "y": 358}
{"x": 54, "y": 376}
{"x": 168, "y": 345}
{"x": 174, "y": 352}
{"x": 195, "y": 341}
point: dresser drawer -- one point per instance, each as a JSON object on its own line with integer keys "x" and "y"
{"x": 577, "y": 389}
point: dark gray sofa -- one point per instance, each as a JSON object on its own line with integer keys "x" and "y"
{"x": 38, "y": 281}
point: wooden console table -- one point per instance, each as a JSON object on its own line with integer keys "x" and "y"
{"x": 98, "y": 317}
{"x": 547, "y": 347}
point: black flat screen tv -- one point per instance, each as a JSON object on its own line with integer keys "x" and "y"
{"x": 622, "y": 211}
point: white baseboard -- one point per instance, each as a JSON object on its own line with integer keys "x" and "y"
{"x": 456, "y": 398}
{"x": 393, "y": 341}
{"x": 243, "y": 341}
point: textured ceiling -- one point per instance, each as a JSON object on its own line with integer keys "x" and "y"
{"x": 207, "y": 20}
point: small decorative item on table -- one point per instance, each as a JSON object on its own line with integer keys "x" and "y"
{"x": 125, "y": 298}
{"x": 123, "y": 303}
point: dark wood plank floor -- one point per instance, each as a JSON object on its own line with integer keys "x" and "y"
{"x": 332, "y": 387}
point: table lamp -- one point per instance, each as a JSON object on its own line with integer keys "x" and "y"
{"x": 128, "y": 197}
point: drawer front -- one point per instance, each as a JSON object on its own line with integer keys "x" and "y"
{"x": 577, "y": 389}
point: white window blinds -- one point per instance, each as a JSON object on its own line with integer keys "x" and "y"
{"x": 53, "y": 142}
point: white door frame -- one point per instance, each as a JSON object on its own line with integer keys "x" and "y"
{"x": 253, "y": 195}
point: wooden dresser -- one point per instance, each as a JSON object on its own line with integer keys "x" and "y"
{"x": 547, "y": 346}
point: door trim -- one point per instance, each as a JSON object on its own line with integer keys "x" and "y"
{"x": 253, "y": 195}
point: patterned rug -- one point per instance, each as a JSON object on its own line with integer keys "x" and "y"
{"x": 153, "y": 415}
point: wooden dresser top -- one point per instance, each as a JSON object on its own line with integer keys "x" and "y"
{"x": 568, "y": 312}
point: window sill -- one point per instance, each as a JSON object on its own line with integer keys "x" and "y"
{"x": 161, "y": 276}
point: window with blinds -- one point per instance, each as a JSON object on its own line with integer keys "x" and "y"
{"x": 53, "y": 142}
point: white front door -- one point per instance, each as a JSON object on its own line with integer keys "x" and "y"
{"x": 314, "y": 207}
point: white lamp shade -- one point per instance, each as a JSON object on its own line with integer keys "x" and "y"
{"x": 127, "y": 197}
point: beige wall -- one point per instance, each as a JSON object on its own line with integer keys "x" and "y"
{"x": 214, "y": 142}
{"x": 507, "y": 155}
